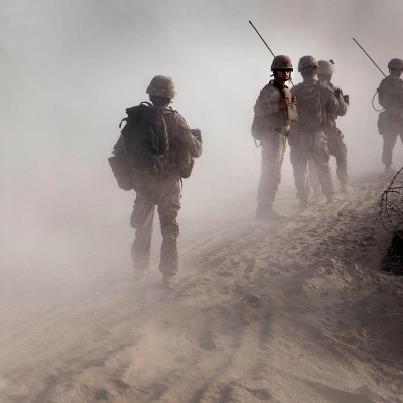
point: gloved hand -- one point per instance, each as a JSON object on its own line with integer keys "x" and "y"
{"x": 197, "y": 133}
{"x": 338, "y": 92}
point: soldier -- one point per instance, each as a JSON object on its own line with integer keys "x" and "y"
{"x": 390, "y": 121}
{"x": 274, "y": 111}
{"x": 160, "y": 184}
{"x": 336, "y": 144}
{"x": 315, "y": 102}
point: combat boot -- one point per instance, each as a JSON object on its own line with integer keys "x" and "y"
{"x": 316, "y": 191}
{"x": 140, "y": 267}
{"x": 344, "y": 188}
{"x": 167, "y": 280}
{"x": 389, "y": 170}
{"x": 330, "y": 198}
{"x": 266, "y": 212}
{"x": 274, "y": 215}
{"x": 139, "y": 274}
{"x": 261, "y": 211}
{"x": 303, "y": 203}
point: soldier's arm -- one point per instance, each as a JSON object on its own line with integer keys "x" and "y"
{"x": 381, "y": 95}
{"x": 264, "y": 104}
{"x": 332, "y": 104}
{"x": 190, "y": 138}
{"x": 399, "y": 90}
{"x": 198, "y": 143}
{"x": 342, "y": 104}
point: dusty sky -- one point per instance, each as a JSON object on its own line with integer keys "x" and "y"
{"x": 70, "y": 68}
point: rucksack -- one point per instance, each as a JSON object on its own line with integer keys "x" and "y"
{"x": 146, "y": 138}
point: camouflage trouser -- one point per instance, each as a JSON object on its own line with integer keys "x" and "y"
{"x": 313, "y": 177}
{"x": 390, "y": 126}
{"x": 337, "y": 147}
{"x": 389, "y": 141}
{"x": 273, "y": 148}
{"x": 305, "y": 147}
{"x": 167, "y": 200}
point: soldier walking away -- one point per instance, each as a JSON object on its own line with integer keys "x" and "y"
{"x": 390, "y": 122}
{"x": 160, "y": 148}
{"x": 275, "y": 110}
{"x": 337, "y": 146}
{"x": 316, "y": 101}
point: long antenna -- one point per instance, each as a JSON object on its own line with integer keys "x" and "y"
{"x": 267, "y": 46}
{"x": 260, "y": 36}
{"x": 370, "y": 58}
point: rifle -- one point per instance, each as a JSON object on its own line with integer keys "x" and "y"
{"x": 370, "y": 58}
{"x": 267, "y": 46}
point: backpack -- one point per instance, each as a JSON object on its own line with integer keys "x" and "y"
{"x": 146, "y": 138}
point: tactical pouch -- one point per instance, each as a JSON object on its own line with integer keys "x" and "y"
{"x": 121, "y": 169}
{"x": 292, "y": 110}
{"x": 185, "y": 162}
{"x": 292, "y": 115}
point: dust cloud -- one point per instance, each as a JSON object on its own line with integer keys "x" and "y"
{"x": 69, "y": 69}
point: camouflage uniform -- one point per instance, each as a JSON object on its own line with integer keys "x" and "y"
{"x": 337, "y": 146}
{"x": 315, "y": 103}
{"x": 270, "y": 126}
{"x": 390, "y": 121}
{"x": 164, "y": 191}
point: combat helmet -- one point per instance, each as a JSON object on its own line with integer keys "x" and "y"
{"x": 395, "y": 64}
{"x": 161, "y": 86}
{"x": 281, "y": 62}
{"x": 325, "y": 67}
{"x": 307, "y": 61}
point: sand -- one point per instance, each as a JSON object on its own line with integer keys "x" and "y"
{"x": 288, "y": 311}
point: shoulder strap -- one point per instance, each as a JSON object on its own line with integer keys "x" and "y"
{"x": 164, "y": 125}
{"x": 146, "y": 103}
{"x": 121, "y": 122}
{"x": 280, "y": 88}
{"x": 169, "y": 111}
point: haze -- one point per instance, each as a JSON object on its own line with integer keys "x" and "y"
{"x": 70, "y": 68}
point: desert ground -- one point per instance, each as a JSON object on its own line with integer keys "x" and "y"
{"x": 294, "y": 310}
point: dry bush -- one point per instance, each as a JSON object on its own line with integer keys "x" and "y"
{"x": 391, "y": 206}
